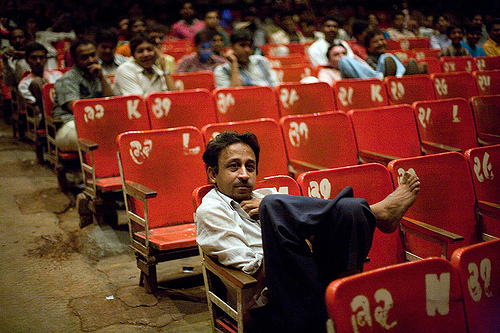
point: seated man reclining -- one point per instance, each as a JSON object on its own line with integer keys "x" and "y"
{"x": 295, "y": 246}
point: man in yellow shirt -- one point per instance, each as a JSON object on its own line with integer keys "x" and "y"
{"x": 492, "y": 45}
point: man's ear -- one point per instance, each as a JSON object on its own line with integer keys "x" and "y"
{"x": 212, "y": 174}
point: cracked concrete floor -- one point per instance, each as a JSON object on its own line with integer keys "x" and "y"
{"x": 57, "y": 277}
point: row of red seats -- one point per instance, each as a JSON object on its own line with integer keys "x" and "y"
{"x": 430, "y": 295}
{"x": 178, "y": 150}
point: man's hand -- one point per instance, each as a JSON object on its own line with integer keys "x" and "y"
{"x": 251, "y": 207}
{"x": 96, "y": 70}
{"x": 229, "y": 55}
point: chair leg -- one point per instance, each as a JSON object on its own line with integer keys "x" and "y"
{"x": 105, "y": 210}
{"x": 148, "y": 277}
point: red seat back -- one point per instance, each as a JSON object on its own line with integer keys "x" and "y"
{"x": 169, "y": 162}
{"x": 369, "y": 181}
{"x": 100, "y": 120}
{"x": 271, "y": 49}
{"x": 245, "y": 103}
{"x": 304, "y": 98}
{"x": 487, "y": 63}
{"x": 455, "y": 84}
{"x": 420, "y": 296}
{"x": 48, "y": 93}
{"x": 293, "y": 73}
{"x": 194, "y": 80}
{"x": 484, "y": 163}
{"x": 458, "y": 64}
{"x": 181, "y": 108}
{"x": 426, "y": 52}
{"x": 488, "y": 81}
{"x": 273, "y": 159}
{"x": 446, "y": 199}
{"x": 323, "y": 140}
{"x": 171, "y": 44}
{"x": 487, "y": 115}
{"x": 291, "y": 59}
{"x": 359, "y": 94}
{"x": 433, "y": 64}
{"x": 409, "y": 89}
{"x": 389, "y": 130}
{"x": 448, "y": 121}
{"x": 477, "y": 266}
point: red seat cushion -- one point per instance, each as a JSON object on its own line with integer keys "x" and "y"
{"x": 110, "y": 184}
{"x": 172, "y": 237}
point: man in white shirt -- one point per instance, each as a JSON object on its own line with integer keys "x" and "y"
{"x": 31, "y": 85}
{"x": 306, "y": 242}
{"x": 318, "y": 50}
{"x": 244, "y": 68}
{"x": 140, "y": 75}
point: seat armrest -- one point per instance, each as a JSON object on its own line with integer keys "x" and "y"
{"x": 485, "y": 139}
{"x": 87, "y": 145}
{"x": 234, "y": 276}
{"x": 306, "y": 165}
{"x": 369, "y": 156}
{"x": 434, "y": 147}
{"x": 489, "y": 209}
{"x": 139, "y": 191}
{"x": 431, "y": 231}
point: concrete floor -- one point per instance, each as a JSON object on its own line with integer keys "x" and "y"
{"x": 56, "y": 277}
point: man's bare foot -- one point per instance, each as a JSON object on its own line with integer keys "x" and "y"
{"x": 389, "y": 211}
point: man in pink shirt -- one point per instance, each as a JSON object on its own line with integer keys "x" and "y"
{"x": 189, "y": 25}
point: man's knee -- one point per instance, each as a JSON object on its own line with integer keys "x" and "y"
{"x": 67, "y": 137}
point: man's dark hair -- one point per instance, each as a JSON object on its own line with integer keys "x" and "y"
{"x": 332, "y": 46}
{"x": 331, "y": 18}
{"x": 474, "y": 27}
{"x": 203, "y": 36}
{"x": 106, "y": 35}
{"x": 32, "y": 47}
{"x": 241, "y": 35}
{"x": 358, "y": 26}
{"x": 76, "y": 43}
{"x": 452, "y": 27}
{"x": 491, "y": 23}
{"x": 225, "y": 139}
{"x": 370, "y": 34}
{"x": 137, "y": 40}
{"x": 12, "y": 32}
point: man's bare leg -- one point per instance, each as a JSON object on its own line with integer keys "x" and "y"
{"x": 389, "y": 211}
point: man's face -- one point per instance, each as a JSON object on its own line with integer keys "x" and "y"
{"x": 187, "y": 10}
{"x": 18, "y": 39}
{"x": 398, "y": 22}
{"x": 330, "y": 29}
{"x": 218, "y": 44}
{"x": 456, "y": 35}
{"x": 335, "y": 54}
{"x": 494, "y": 33}
{"x": 145, "y": 55}
{"x": 478, "y": 19}
{"x": 473, "y": 37}
{"x": 242, "y": 51}
{"x": 37, "y": 61}
{"x": 106, "y": 51}
{"x": 442, "y": 24}
{"x": 158, "y": 38}
{"x": 378, "y": 45}
{"x": 138, "y": 26}
{"x": 86, "y": 55}
{"x": 237, "y": 172}
{"x": 289, "y": 24}
{"x": 211, "y": 19}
